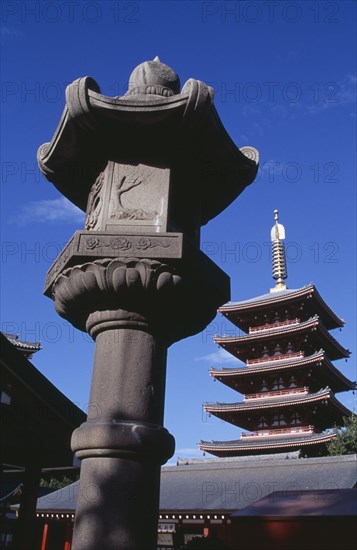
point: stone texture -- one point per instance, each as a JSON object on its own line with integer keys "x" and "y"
{"x": 149, "y": 169}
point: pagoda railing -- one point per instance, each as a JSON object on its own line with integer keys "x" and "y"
{"x": 274, "y": 358}
{"x": 270, "y": 326}
{"x": 275, "y": 393}
{"x": 296, "y": 430}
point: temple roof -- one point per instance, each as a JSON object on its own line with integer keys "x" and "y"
{"x": 234, "y": 377}
{"x": 314, "y": 325}
{"x": 26, "y": 348}
{"x": 208, "y": 484}
{"x": 38, "y": 420}
{"x": 239, "y": 312}
{"x": 266, "y": 444}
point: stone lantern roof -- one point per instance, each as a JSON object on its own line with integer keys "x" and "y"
{"x": 153, "y": 121}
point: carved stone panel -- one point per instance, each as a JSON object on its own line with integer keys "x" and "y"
{"x": 129, "y": 197}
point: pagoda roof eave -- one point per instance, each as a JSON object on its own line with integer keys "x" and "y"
{"x": 282, "y": 296}
{"x": 241, "y": 445}
{"x": 324, "y": 394}
{"x": 247, "y": 372}
{"x": 268, "y": 334}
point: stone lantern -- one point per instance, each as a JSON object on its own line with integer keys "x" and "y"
{"x": 149, "y": 168}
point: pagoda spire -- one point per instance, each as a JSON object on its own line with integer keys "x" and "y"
{"x": 279, "y": 269}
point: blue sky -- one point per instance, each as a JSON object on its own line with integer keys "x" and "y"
{"x": 285, "y": 81}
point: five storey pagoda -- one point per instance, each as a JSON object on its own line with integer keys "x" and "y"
{"x": 288, "y": 380}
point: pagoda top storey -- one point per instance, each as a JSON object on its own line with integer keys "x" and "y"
{"x": 280, "y": 305}
{"x": 302, "y": 303}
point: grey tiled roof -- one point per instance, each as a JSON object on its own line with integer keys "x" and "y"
{"x": 231, "y": 484}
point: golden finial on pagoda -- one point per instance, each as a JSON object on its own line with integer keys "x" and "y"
{"x": 278, "y": 254}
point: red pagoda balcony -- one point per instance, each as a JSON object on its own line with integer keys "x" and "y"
{"x": 270, "y": 326}
{"x": 275, "y": 358}
{"x": 296, "y": 430}
{"x": 276, "y": 393}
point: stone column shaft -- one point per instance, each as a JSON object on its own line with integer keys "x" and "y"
{"x": 128, "y": 380}
{"x": 122, "y": 445}
{"x": 118, "y": 504}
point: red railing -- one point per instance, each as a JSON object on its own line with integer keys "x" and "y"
{"x": 274, "y": 325}
{"x": 275, "y": 393}
{"x": 273, "y": 358}
{"x": 280, "y": 431}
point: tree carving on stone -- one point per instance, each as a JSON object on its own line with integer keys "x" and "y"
{"x": 126, "y": 183}
{"x": 94, "y": 204}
